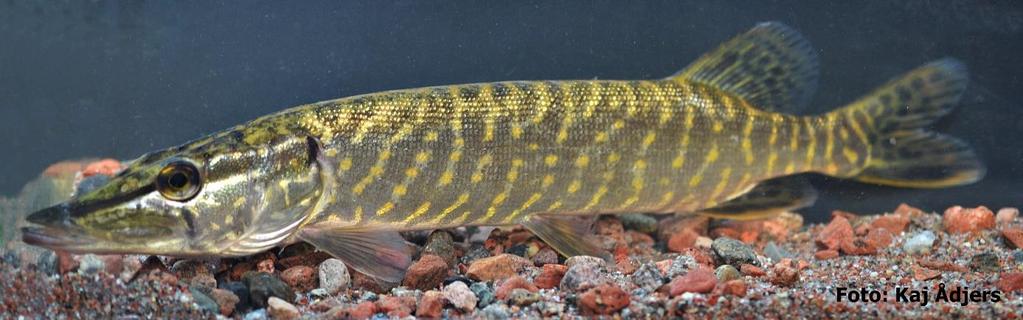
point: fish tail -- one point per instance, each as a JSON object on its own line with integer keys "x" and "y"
{"x": 894, "y": 119}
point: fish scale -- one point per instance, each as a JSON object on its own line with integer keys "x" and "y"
{"x": 719, "y": 138}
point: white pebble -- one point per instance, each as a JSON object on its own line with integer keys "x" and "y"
{"x": 460, "y": 296}
{"x": 920, "y": 243}
{"x": 334, "y": 276}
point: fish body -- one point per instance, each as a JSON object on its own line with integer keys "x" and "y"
{"x": 345, "y": 175}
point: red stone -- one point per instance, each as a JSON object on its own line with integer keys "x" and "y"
{"x": 879, "y": 237}
{"x": 735, "y": 287}
{"x": 682, "y": 240}
{"x": 431, "y": 305}
{"x": 784, "y": 274}
{"x": 698, "y": 280}
{"x": 65, "y": 262}
{"x": 894, "y": 223}
{"x": 498, "y": 267}
{"x": 826, "y": 254}
{"x": 836, "y": 232}
{"x": 1006, "y": 215}
{"x": 426, "y": 273}
{"x": 751, "y": 270}
{"x": 515, "y": 282}
{"x": 396, "y": 307}
{"x": 603, "y": 300}
{"x": 363, "y": 310}
{"x": 961, "y": 220}
{"x": 1013, "y": 236}
{"x": 301, "y": 278}
{"x": 1010, "y": 281}
{"x": 844, "y": 214}
{"x": 858, "y": 247}
{"x": 550, "y": 276}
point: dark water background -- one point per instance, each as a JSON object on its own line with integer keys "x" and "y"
{"x": 118, "y": 79}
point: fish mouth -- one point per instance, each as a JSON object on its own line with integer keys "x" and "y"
{"x": 55, "y": 229}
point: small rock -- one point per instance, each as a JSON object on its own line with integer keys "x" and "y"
{"x": 550, "y": 276}
{"x": 263, "y": 285}
{"x": 961, "y": 220}
{"x": 924, "y": 274}
{"x": 1006, "y": 215}
{"x": 1010, "y": 281}
{"x": 280, "y": 309}
{"x": 461, "y": 296}
{"x": 441, "y": 244}
{"x": 396, "y": 307}
{"x": 785, "y": 273}
{"x": 647, "y": 276}
{"x": 494, "y": 311}
{"x": 894, "y": 223}
{"x": 515, "y": 282}
{"x": 858, "y": 247}
{"x": 427, "y": 273}
{"x": 522, "y": 297}
{"x": 920, "y": 243}
{"x": 751, "y": 270}
{"x": 256, "y": 315}
{"x": 205, "y": 302}
{"x": 1017, "y": 255}
{"x": 334, "y": 276}
{"x": 226, "y": 300}
{"x": 475, "y": 252}
{"x": 1013, "y": 237}
{"x": 639, "y": 222}
{"x": 698, "y": 280}
{"x": 363, "y": 310}
{"x": 703, "y": 242}
{"x": 776, "y": 253}
{"x": 431, "y": 305}
{"x": 679, "y": 265}
{"x": 879, "y": 237}
{"x": 186, "y": 269}
{"x": 583, "y": 272}
{"x": 544, "y": 257}
{"x": 726, "y": 273}
{"x": 301, "y": 278}
{"x": 826, "y": 254}
{"x": 90, "y": 264}
{"x": 836, "y": 232}
{"x": 240, "y": 291}
{"x": 66, "y": 263}
{"x": 603, "y": 300}
{"x": 203, "y": 282}
{"x": 908, "y": 211}
{"x": 483, "y": 292}
{"x": 681, "y": 240}
{"x": 733, "y": 251}
{"x": 498, "y": 267}
{"x": 735, "y": 287}
{"x": 985, "y": 262}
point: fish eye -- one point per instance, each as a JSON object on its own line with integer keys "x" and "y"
{"x": 179, "y": 181}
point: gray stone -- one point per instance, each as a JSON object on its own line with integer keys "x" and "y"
{"x": 494, "y": 311}
{"x": 263, "y": 285}
{"x": 776, "y": 253}
{"x": 985, "y": 262}
{"x": 522, "y": 297}
{"x": 483, "y": 293}
{"x": 334, "y": 276}
{"x": 461, "y": 296}
{"x": 205, "y": 302}
{"x": 648, "y": 277}
{"x": 733, "y": 252}
{"x": 441, "y": 244}
{"x": 584, "y": 272}
{"x": 90, "y": 264}
{"x": 726, "y": 273}
{"x": 639, "y": 222}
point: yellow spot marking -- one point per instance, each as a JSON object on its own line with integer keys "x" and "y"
{"x": 649, "y": 139}
{"x": 358, "y": 215}
{"x": 601, "y": 137}
{"x": 712, "y": 156}
{"x": 385, "y": 208}
{"x": 478, "y": 175}
{"x": 374, "y": 172}
{"x": 529, "y": 202}
{"x": 775, "y": 119}
{"x": 238, "y": 203}
{"x": 412, "y": 172}
{"x": 446, "y": 178}
{"x": 678, "y": 161}
{"x": 548, "y": 180}
{"x": 794, "y": 144}
{"x": 772, "y": 159}
{"x": 747, "y": 143}
{"x": 850, "y": 155}
{"x": 829, "y": 143}
{"x": 516, "y": 131}
{"x": 543, "y": 104}
{"x": 346, "y": 164}
{"x": 534, "y": 146}
{"x": 812, "y": 145}
{"x": 855, "y": 125}
{"x": 488, "y": 130}
{"x": 399, "y": 190}
{"x": 462, "y": 199}
{"x": 461, "y": 219}
{"x": 592, "y": 99}
{"x": 551, "y": 160}
{"x": 214, "y": 226}
{"x": 618, "y": 124}
{"x": 666, "y": 199}
{"x": 431, "y": 136}
{"x": 582, "y": 161}
{"x": 419, "y": 212}
{"x": 422, "y": 157}
{"x": 790, "y": 168}
{"x": 718, "y": 126}
{"x": 596, "y": 197}
{"x": 695, "y": 180}
{"x": 554, "y": 206}
{"x": 720, "y": 187}
{"x": 613, "y": 158}
{"x": 229, "y": 219}
{"x": 574, "y": 186}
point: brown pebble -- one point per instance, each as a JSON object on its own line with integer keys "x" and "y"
{"x": 1006, "y": 215}
{"x": 66, "y": 262}
{"x": 826, "y": 254}
{"x": 858, "y": 247}
{"x": 1010, "y": 281}
{"x": 908, "y": 211}
{"x": 835, "y": 233}
{"x": 698, "y": 280}
{"x": 363, "y": 310}
{"x": 735, "y": 287}
{"x": 751, "y": 270}
{"x": 1013, "y": 237}
{"x": 497, "y": 267}
{"x": 924, "y": 274}
{"x": 681, "y": 240}
{"x": 894, "y": 223}
{"x": 550, "y": 276}
{"x": 225, "y": 299}
{"x": 515, "y": 282}
{"x": 431, "y": 305}
{"x": 426, "y": 273}
{"x": 879, "y": 237}
{"x": 301, "y": 278}
{"x": 396, "y": 307}
{"x": 963, "y": 220}
{"x": 545, "y": 256}
{"x": 784, "y": 273}
{"x": 603, "y": 300}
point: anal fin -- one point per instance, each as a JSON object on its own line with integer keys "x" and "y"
{"x": 767, "y": 199}
{"x": 381, "y": 254}
{"x": 566, "y": 234}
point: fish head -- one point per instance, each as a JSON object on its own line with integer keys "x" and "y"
{"x": 199, "y": 199}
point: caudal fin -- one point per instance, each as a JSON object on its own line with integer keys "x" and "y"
{"x": 904, "y": 153}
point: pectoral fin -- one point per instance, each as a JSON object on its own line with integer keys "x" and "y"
{"x": 384, "y": 255}
{"x": 566, "y": 234}
{"x": 767, "y": 199}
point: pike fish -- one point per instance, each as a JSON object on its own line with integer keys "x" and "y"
{"x": 721, "y": 138}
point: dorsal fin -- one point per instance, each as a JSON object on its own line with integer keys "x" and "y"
{"x": 771, "y": 66}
